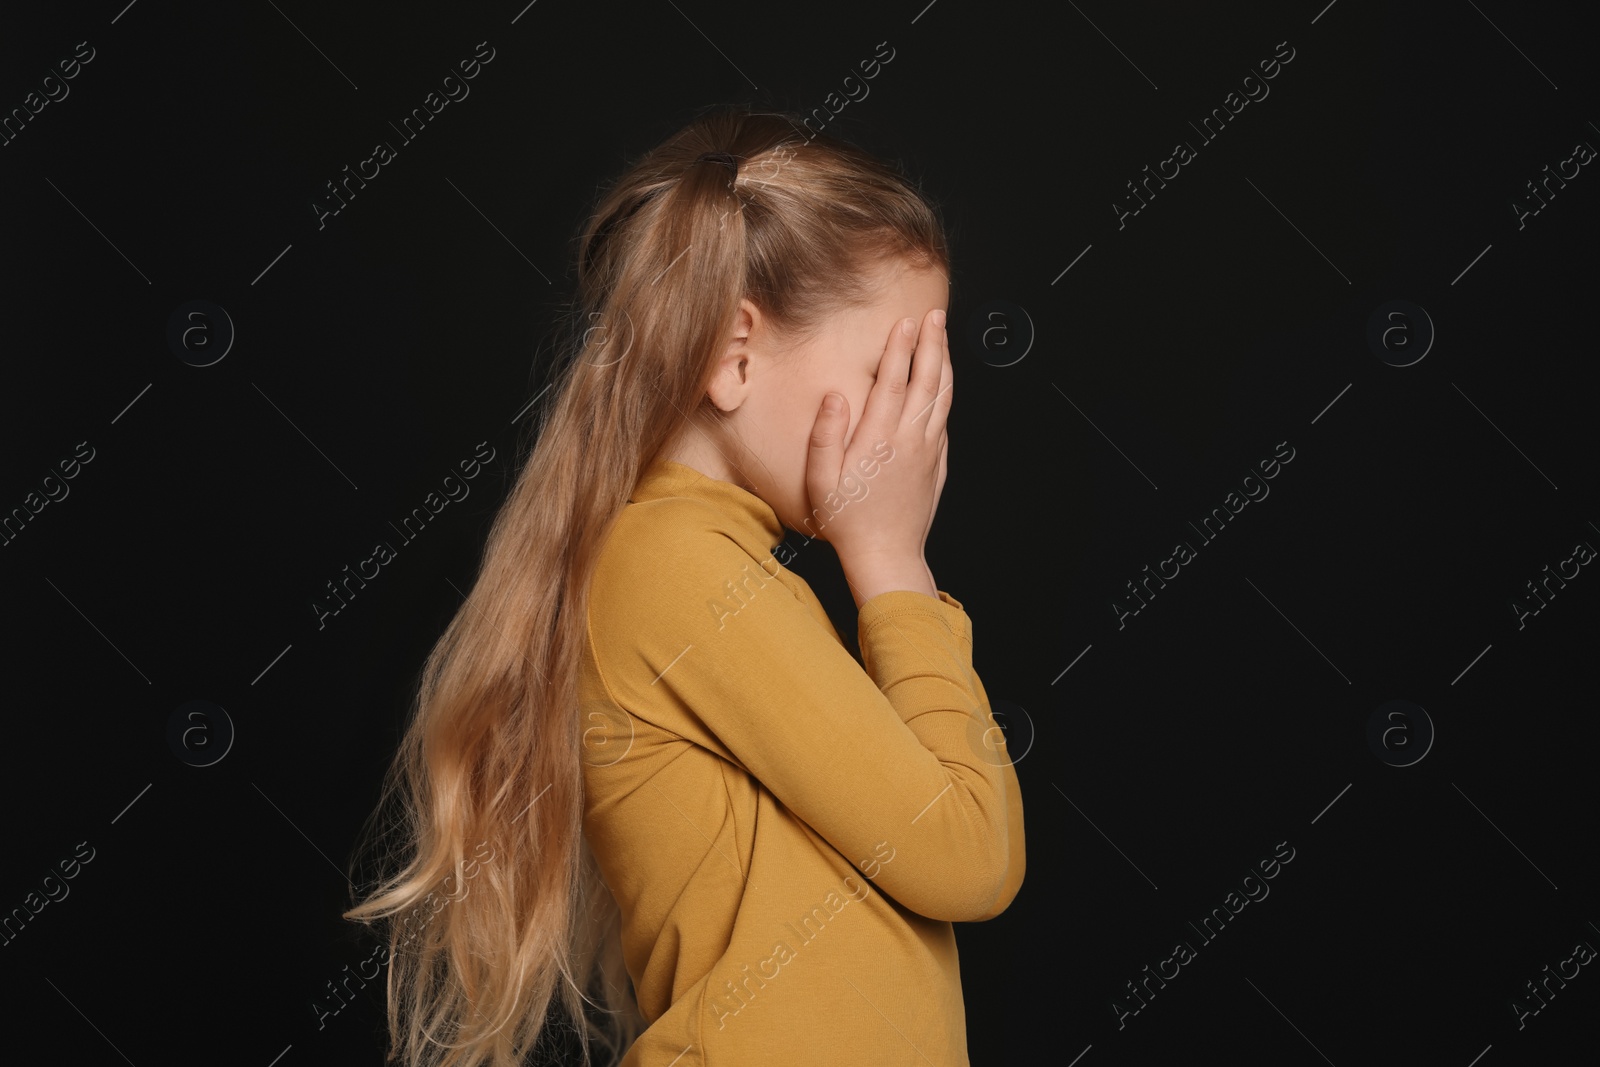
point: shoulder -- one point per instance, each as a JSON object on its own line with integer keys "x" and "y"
{"x": 654, "y": 540}
{"x": 662, "y": 585}
{"x": 661, "y": 560}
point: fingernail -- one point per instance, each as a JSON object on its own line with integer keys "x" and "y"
{"x": 909, "y": 327}
{"x": 831, "y": 403}
{"x": 938, "y": 319}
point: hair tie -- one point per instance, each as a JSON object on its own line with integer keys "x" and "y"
{"x": 720, "y": 157}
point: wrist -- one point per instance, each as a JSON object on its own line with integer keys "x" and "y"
{"x": 871, "y": 577}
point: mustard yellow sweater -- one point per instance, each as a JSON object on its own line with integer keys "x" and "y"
{"x": 789, "y": 836}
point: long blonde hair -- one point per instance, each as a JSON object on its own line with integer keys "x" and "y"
{"x": 492, "y": 754}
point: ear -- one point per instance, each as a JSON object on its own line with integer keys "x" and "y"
{"x": 730, "y": 377}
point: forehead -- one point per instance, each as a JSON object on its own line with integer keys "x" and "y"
{"x": 910, "y": 289}
{"x": 899, "y": 290}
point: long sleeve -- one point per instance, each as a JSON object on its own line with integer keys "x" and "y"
{"x": 902, "y": 753}
{"x": 893, "y": 653}
{"x": 1016, "y": 860}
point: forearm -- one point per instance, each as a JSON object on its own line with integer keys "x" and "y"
{"x": 957, "y": 845}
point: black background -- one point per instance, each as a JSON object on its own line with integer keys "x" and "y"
{"x": 1182, "y": 346}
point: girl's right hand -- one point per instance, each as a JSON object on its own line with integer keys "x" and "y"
{"x": 885, "y": 518}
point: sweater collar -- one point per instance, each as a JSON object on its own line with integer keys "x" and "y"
{"x": 751, "y": 520}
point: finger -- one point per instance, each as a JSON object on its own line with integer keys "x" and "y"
{"x": 887, "y": 399}
{"x": 939, "y": 415}
{"x": 825, "y": 458}
{"x": 926, "y": 369}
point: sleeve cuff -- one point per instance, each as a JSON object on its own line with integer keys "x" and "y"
{"x": 901, "y": 602}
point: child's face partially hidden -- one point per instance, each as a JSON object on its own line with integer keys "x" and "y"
{"x": 770, "y": 389}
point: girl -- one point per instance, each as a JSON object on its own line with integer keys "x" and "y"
{"x": 700, "y": 830}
